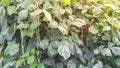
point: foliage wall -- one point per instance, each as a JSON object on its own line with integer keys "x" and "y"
{"x": 59, "y": 34}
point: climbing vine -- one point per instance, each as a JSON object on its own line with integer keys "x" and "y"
{"x": 59, "y": 34}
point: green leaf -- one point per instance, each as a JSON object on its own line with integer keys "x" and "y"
{"x": 36, "y": 12}
{"x": 96, "y": 51}
{"x": 19, "y": 62}
{"x": 11, "y": 9}
{"x": 47, "y": 15}
{"x": 30, "y": 59}
{"x": 53, "y": 24}
{"x": 2, "y": 12}
{"x": 44, "y": 44}
{"x": 59, "y": 65}
{"x": 64, "y": 49}
{"x": 34, "y": 25}
{"x": 49, "y": 61}
{"x": 25, "y": 26}
{"x": 12, "y": 48}
{"x": 117, "y": 62}
{"x": 28, "y": 33}
{"x": 93, "y": 30}
{"x": 76, "y": 39}
{"x": 116, "y": 40}
{"x": 116, "y": 51}
{"x": 106, "y": 52}
{"x": 5, "y": 2}
{"x": 22, "y": 15}
{"x": 25, "y": 4}
{"x": 98, "y": 65}
{"x": 40, "y": 65}
{"x": 51, "y": 49}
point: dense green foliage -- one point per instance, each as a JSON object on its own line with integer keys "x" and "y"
{"x": 59, "y": 34}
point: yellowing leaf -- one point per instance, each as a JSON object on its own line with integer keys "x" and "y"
{"x": 5, "y": 2}
{"x": 67, "y": 2}
{"x": 72, "y": 1}
{"x": 117, "y": 26}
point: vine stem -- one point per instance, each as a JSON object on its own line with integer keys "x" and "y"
{"x": 37, "y": 19}
{"x": 22, "y": 45}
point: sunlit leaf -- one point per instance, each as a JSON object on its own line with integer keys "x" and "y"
{"x": 47, "y": 14}
{"x": 93, "y": 30}
{"x": 36, "y": 12}
{"x": 11, "y": 10}
{"x": 53, "y": 24}
{"x": 2, "y": 12}
{"x": 5, "y": 2}
{"x": 63, "y": 30}
{"x": 30, "y": 59}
